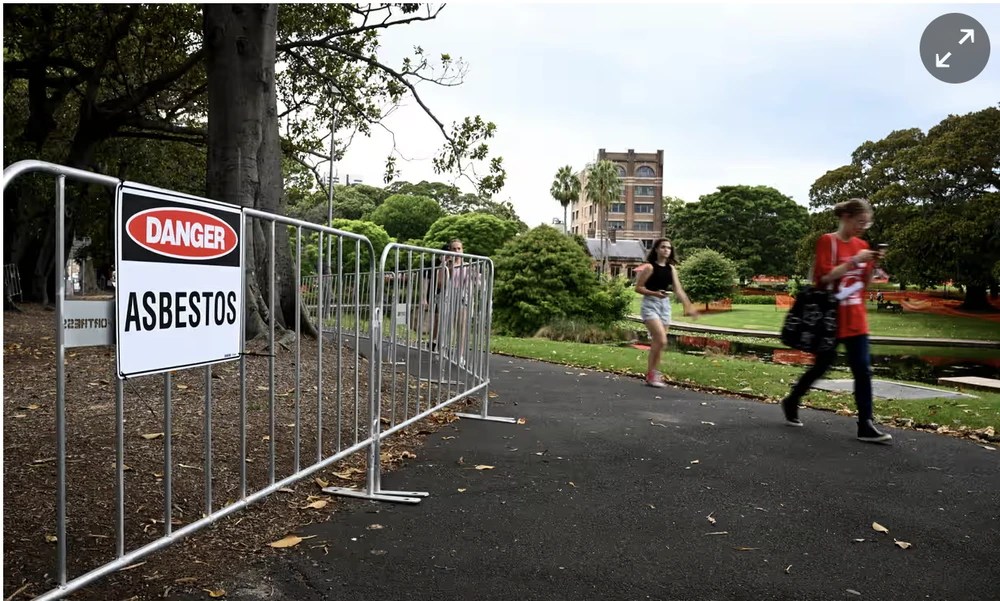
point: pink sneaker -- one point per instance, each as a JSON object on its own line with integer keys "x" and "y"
{"x": 654, "y": 379}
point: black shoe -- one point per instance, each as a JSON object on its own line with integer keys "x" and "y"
{"x": 867, "y": 432}
{"x": 791, "y": 411}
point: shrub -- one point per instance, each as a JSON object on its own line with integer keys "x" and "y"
{"x": 541, "y": 276}
{"x": 574, "y": 330}
{"x": 707, "y": 276}
{"x": 611, "y": 302}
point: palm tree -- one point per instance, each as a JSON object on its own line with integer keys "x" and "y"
{"x": 566, "y": 189}
{"x": 603, "y": 188}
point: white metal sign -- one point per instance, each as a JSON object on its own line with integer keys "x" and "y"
{"x": 88, "y": 323}
{"x": 179, "y": 300}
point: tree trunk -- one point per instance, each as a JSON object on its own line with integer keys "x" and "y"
{"x": 566, "y": 219}
{"x": 244, "y": 155}
{"x": 975, "y": 299}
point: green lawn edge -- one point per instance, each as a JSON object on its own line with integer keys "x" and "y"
{"x": 767, "y": 382}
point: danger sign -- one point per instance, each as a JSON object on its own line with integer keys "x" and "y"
{"x": 179, "y": 262}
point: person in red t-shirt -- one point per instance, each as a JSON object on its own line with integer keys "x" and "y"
{"x": 845, "y": 264}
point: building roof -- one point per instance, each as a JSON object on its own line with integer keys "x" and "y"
{"x": 622, "y": 250}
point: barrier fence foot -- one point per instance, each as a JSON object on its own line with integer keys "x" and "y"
{"x": 390, "y": 496}
{"x": 488, "y": 418}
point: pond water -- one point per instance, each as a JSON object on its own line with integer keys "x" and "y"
{"x": 925, "y": 368}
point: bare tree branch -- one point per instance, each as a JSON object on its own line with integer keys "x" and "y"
{"x": 150, "y": 135}
{"x": 322, "y": 42}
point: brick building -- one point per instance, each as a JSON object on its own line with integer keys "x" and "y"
{"x": 639, "y": 213}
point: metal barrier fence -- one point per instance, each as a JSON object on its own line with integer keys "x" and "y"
{"x": 12, "y": 281}
{"x": 453, "y": 291}
{"x": 243, "y": 455}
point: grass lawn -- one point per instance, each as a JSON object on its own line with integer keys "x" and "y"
{"x": 915, "y": 325}
{"x": 754, "y": 378}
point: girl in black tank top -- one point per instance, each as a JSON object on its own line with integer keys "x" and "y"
{"x": 655, "y": 280}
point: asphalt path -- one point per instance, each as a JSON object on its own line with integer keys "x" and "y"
{"x": 614, "y": 490}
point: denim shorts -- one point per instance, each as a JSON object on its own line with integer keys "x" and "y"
{"x": 655, "y": 308}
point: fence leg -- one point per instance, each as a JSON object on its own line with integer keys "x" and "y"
{"x": 373, "y": 482}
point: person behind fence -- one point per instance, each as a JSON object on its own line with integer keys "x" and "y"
{"x": 846, "y": 260}
{"x": 458, "y": 284}
{"x": 656, "y": 277}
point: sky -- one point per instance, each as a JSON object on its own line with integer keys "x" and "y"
{"x": 734, "y": 94}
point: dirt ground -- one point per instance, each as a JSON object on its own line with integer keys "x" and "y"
{"x": 204, "y": 560}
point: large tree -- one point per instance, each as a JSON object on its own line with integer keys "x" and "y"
{"x": 758, "y": 227}
{"x": 86, "y": 76}
{"x": 480, "y": 234}
{"x": 566, "y": 190}
{"x": 934, "y": 197}
{"x": 407, "y": 217}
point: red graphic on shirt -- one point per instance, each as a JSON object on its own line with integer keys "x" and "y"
{"x": 852, "y": 318}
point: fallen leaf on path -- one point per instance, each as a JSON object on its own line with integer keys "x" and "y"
{"x": 788, "y": 570}
{"x": 461, "y": 461}
{"x": 652, "y": 423}
{"x": 710, "y": 518}
{"x": 215, "y": 594}
{"x": 153, "y": 436}
{"x": 50, "y": 539}
{"x": 322, "y": 483}
{"x": 521, "y": 421}
{"x": 376, "y": 527}
{"x": 462, "y": 489}
{"x": 696, "y": 461}
{"x": 182, "y": 387}
{"x": 484, "y": 467}
{"x": 879, "y": 527}
{"x": 571, "y": 484}
{"x": 348, "y": 473}
{"x": 716, "y": 533}
{"x": 709, "y": 423}
{"x": 540, "y": 453}
{"x": 859, "y": 540}
{"x": 746, "y": 548}
{"x": 853, "y": 592}
{"x": 652, "y": 506}
{"x": 188, "y": 580}
{"x": 989, "y": 448}
{"x": 316, "y": 505}
{"x": 289, "y": 541}
{"x": 447, "y": 437}
{"x": 902, "y": 545}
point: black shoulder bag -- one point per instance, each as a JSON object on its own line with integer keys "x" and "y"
{"x": 811, "y": 323}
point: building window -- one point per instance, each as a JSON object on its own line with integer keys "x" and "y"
{"x": 621, "y": 171}
{"x": 647, "y": 244}
{"x": 643, "y": 191}
{"x": 616, "y": 225}
{"x": 617, "y": 207}
{"x": 644, "y": 207}
{"x": 591, "y": 209}
{"x": 645, "y": 171}
{"x": 643, "y": 226}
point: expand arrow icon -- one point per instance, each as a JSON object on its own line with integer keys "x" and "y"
{"x": 970, "y": 34}
{"x": 941, "y": 64}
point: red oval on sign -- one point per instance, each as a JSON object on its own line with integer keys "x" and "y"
{"x": 182, "y": 233}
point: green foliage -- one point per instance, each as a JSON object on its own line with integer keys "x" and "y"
{"x": 407, "y": 217}
{"x": 310, "y": 247}
{"x": 707, "y": 276}
{"x": 819, "y": 223}
{"x": 756, "y": 299}
{"x": 542, "y": 276}
{"x": 480, "y": 234}
{"x": 565, "y": 189}
{"x": 758, "y": 227}
{"x": 611, "y": 302}
{"x": 672, "y": 207}
{"x": 575, "y": 330}
{"x": 934, "y": 199}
